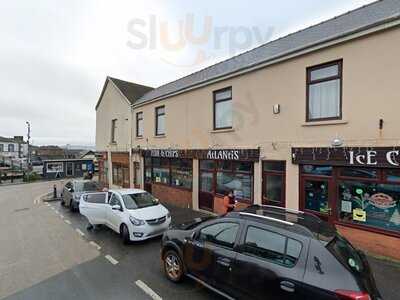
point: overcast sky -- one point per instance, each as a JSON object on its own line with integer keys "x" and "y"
{"x": 55, "y": 55}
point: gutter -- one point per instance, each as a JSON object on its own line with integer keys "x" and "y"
{"x": 357, "y": 33}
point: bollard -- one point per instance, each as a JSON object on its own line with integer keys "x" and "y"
{"x": 55, "y": 191}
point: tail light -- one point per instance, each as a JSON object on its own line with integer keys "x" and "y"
{"x": 352, "y": 295}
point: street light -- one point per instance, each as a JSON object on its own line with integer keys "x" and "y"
{"x": 29, "y": 150}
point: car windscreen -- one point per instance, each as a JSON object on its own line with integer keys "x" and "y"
{"x": 346, "y": 254}
{"x": 86, "y": 186}
{"x": 139, "y": 200}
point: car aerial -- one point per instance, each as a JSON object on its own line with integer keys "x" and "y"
{"x": 267, "y": 252}
{"x": 133, "y": 213}
{"x": 73, "y": 190}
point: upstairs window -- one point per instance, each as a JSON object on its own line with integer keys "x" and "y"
{"x": 11, "y": 148}
{"x": 160, "y": 120}
{"x": 139, "y": 124}
{"x": 113, "y": 129}
{"x": 324, "y": 92}
{"x": 223, "y": 109}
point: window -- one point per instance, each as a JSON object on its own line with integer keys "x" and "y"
{"x": 139, "y": 124}
{"x": 317, "y": 195}
{"x": 173, "y": 172}
{"x": 1, "y": 147}
{"x": 274, "y": 176}
{"x": 324, "y": 92}
{"x": 113, "y": 130}
{"x": 114, "y": 200}
{"x": 120, "y": 175}
{"x": 223, "y": 234}
{"x": 160, "y": 120}
{"x": 96, "y": 198}
{"x": 272, "y": 247}
{"x": 223, "y": 109}
{"x": 218, "y": 177}
{"x": 55, "y": 167}
{"x": 11, "y": 148}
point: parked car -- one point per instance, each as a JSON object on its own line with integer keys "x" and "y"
{"x": 266, "y": 252}
{"x": 73, "y": 190}
{"x": 135, "y": 214}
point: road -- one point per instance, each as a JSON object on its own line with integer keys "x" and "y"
{"x": 47, "y": 253}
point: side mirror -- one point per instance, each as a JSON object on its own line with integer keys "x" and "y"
{"x": 116, "y": 207}
{"x": 71, "y": 190}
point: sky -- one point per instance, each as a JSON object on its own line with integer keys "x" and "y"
{"x": 55, "y": 55}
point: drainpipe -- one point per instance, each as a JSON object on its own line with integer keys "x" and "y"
{"x": 131, "y": 171}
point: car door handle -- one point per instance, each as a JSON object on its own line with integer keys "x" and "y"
{"x": 225, "y": 262}
{"x": 288, "y": 286}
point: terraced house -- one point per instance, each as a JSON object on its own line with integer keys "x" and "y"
{"x": 308, "y": 121}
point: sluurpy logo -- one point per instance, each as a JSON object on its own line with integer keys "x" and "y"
{"x": 205, "y": 42}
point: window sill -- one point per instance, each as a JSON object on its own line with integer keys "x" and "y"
{"x": 227, "y": 130}
{"x": 161, "y": 136}
{"x": 325, "y": 123}
{"x": 113, "y": 143}
{"x": 139, "y": 138}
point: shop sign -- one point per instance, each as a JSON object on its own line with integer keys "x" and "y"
{"x": 384, "y": 157}
{"x": 213, "y": 154}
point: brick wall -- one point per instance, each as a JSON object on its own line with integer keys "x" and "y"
{"x": 374, "y": 243}
{"x": 177, "y": 197}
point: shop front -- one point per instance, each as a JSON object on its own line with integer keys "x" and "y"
{"x": 120, "y": 169}
{"x": 169, "y": 176}
{"x": 357, "y": 189}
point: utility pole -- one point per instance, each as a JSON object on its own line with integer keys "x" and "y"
{"x": 29, "y": 148}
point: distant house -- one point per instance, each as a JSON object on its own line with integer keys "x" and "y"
{"x": 13, "y": 148}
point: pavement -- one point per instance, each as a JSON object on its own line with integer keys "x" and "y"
{"x": 47, "y": 253}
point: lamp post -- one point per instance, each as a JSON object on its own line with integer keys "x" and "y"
{"x": 29, "y": 148}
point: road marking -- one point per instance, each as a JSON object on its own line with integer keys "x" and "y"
{"x": 79, "y": 231}
{"x": 147, "y": 290}
{"x": 98, "y": 247}
{"x": 68, "y": 222}
{"x": 61, "y": 216}
{"x": 111, "y": 259}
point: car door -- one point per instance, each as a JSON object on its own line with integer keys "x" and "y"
{"x": 210, "y": 255}
{"x": 113, "y": 216}
{"x": 93, "y": 207}
{"x": 269, "y": 264}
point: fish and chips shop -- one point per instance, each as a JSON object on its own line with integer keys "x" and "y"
{"x": 355, "y": 187}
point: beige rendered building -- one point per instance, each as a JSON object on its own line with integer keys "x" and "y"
{"x": 306, "y": 122}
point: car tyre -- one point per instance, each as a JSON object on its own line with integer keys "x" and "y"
{"x": 125, "y": 234}
{"x": 173, "y": 266}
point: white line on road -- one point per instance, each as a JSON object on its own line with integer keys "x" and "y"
{"x": 111, "y": 259}
{"x": 147, "y": 290}
{"x": 68, "y": 222}
{"x": 98, "y": 247}
{"x": 79, "y": 231}
{"x": 61, "y": 216}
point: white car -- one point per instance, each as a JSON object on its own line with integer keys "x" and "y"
{"x": 135, "y": 214}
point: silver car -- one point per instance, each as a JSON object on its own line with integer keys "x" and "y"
{"x": 73, "y": 190}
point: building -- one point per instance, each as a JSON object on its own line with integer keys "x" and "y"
{"x": 67, "y": 168}
{"x": 13, "y": 148}
{"x": 308, "y": 121}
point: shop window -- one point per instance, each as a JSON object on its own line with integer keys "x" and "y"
{"x": 324, "y": 92}
{"x": 316, "y": 196}
{"x": 173, "y": 172}
{"x": 317, "y": 170}
{"x": 161, "y": 170}
{"x": 207, "y": 164}
{"x": 181, "y": 173}
{"x": 369, "y": 203}
{"x": 223, "y": 109}
{"x": 241, "y": 184}
{"x": 274, "y": 176}
{"x": 393, "y": 175}
{"x": 160, "y": 120}
{"x": 359, "y": 173}
{"x": 206, "y": 182}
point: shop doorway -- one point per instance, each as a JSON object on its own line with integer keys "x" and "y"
{"x": 70, "y": 169}
{"x": 206, "y": 191}
{"x": 317, "y": 192}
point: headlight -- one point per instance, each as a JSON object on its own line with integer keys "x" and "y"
{"x": 136, "y": 222}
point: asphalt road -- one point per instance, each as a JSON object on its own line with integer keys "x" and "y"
{"x": 47, "y": 253}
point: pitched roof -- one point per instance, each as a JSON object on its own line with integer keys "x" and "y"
{"x": 11, "y": 140}
{"x": 355, "y": 21}
{"x": 130, "y": 90}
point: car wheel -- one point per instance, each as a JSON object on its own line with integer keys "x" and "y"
{"x": 125, "y": 234}
{"x": 173, "y": 266}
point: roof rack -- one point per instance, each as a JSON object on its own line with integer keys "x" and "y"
{"x": 266, "y": 218}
